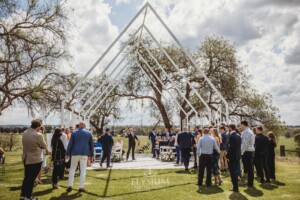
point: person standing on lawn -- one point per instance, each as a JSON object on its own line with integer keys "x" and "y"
{"x": 33, "y": 142}
{"x": 185, "y": 142}
{"x": 80, "y": 147}
{"x": 234, "y": 155}
{"x": 107, "y": 142}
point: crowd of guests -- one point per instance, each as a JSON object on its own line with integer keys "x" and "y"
{"x": 215, "y": 150}
{"x": 71, "y": 149}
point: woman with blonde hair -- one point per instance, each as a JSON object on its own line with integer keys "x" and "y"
{"x": 216, "y": 156}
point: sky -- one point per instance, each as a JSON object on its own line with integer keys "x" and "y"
{"x": 266, "y": 33}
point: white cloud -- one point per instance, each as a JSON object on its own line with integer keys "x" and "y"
{"x": 266, "y": 33}
{"x": 118, "y": 2}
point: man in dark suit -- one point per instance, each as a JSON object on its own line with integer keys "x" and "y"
{"x": 261, "y": 154}
{"x": 107, "y": 142}
{"x": 234, "y": 155}
{"x": 152, "y": 136}
{"x": 131, "y": 142}
{"x": 185, "y": 141}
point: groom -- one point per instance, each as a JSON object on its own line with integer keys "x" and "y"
{"x": 152, "y": 136}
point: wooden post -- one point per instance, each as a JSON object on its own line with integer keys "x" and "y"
{"x": 282, "y": 151}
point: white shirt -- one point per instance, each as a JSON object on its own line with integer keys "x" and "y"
{"x": 248, "y": 140}
{"x": 64, "y": 139}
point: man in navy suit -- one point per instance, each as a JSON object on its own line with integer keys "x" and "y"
{"x": 234, "y": 155}
{"x": 185, "y": 142}
{"x": 107, "y": 142}
{"x": 152, "y": 136}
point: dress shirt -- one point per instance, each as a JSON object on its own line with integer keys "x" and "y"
{"x": 248, "y": 140}
{"x": 206, "y": 145}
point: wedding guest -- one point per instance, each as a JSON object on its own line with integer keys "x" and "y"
{"x": 152, "y": 136}
{"x": 234, "y": 155}
{"x": 184, "y": 141}
{"x": 58, "y": 154}
{"x": 2, "y": 156}
{"x": 261, "y": 155}
{"x": 33, "y": 142}
{"x": 247, "y": 151}
{"x": 205, "y": 148}
{"x": 194, "y": 148}
{"x": 177, "y": 132}
{"x": 216, "y": 157}
{"x": 223, "y": 148}
{"x": 80, "y": 147}
{"x": 38, "y": 179}
{"x": 271, "y": 155}
{"x": 107, "y": 142}
{"x": 119, "y": 146}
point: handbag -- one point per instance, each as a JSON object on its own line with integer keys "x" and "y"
{"x": 60, "y": 162}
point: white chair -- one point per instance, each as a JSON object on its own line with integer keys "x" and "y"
{"x": 117, "y": 154}
{"x": 97, "y": 155}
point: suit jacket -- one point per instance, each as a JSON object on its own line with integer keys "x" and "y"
{"x": 152, "y": 136}
{"x": 234, "y": 148}
{"x": 33, "y": 143}
{"x": 261, "y": 145}
{"x": 131, "y": 138}
{"x": 81, "y": 143}
{"x": 185, "y": 140}
{"x": 107, "y": 141}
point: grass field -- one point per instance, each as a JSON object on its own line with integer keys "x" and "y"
{"x": 167, "y": 184}
{"x": 162, "y": 184}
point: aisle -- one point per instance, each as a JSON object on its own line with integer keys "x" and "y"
{"x": 143, "y": 161}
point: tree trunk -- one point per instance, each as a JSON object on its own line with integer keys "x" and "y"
{"x": 164, "y": 114}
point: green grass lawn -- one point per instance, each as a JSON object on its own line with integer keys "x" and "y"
{"x": 163, "y": 184}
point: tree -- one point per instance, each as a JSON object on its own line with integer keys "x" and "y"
{"x": 216, "y": 56}
{"x": 138, "y": 85}
{"x": 32, "y": 43}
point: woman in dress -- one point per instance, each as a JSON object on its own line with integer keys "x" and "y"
{"x": 216, "y": 157}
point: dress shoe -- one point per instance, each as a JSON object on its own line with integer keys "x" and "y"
{"x": 69, "y": 189}
{"x": 233, "y": 190}
{"x": 100, "y": 164}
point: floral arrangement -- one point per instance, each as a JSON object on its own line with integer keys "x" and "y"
{"x": 115, "y": 157}
{"x": 167, "y": 156}
{"x": 143, "y": 148}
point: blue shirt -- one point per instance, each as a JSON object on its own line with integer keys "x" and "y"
{"x": 81, "y": 143}
{"x": 206, "y": 145}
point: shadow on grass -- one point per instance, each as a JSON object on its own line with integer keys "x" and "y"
{"x": 278, "y": 183}
{"x": 15, "y": 188}
{"x": 66, "y": 195}
{"x": 268, "y": 186}
{"x": 184, "y": 172}
{"x": 209, "y": 190}
{"x": 237, "y": 196}
{"x": 252, "y": 191}
{"x": 44, "y": 192}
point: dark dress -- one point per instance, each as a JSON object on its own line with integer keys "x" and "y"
{"x": 271, "y": 159}
{"x": 58, "y": 153}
